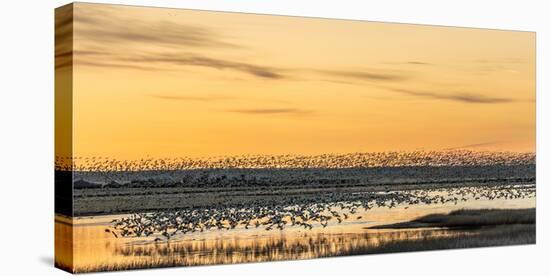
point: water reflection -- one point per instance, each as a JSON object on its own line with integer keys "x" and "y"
{"x": 96, "y": 250}
{"x": 303, "y": 245}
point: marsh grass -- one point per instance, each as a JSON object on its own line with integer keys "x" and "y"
{"x": 469, "y": 219}
{"x": 480, "y": 228}
{"x": 504, "y": 235}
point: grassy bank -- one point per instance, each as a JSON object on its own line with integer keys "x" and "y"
{"x": 474, "y": 228}
{"x": 469, "y": 219}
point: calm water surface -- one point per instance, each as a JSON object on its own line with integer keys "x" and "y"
{"x": 95, "y": 249}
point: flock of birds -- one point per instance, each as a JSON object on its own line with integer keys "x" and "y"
{"x": 348, "y": 160}
{"x": 164, "y": 225}
{"x": 306, "y": 212}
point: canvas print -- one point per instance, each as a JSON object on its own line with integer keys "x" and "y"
{"x": 188, "y": 137}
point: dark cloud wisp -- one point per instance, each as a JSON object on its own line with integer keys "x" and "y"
{"x": 417, "y": 63}
{"x": 190, "y": 98}
{"x": 162, "y": 61}
{"x": 459, "y": 97}
{"x": 220, "y": 64}
{"x": 475, "y": 145}
{"x": 109, "y": 27}
{"x": 366, "y": 75}
{"x": 266, "y": 111}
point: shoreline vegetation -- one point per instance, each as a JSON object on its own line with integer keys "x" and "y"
{"x": 468, "y": 219}
{"x": 478, "y": 228}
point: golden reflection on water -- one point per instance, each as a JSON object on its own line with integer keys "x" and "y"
{"x": 94, "y": 249}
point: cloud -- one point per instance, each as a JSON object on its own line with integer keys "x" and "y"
{"x": 64, "y": 57}
{"x": 196, "y": 60}
{"x": 63, "y": 37}
{"x": 118, "y": 65}
{"x": 339, "y": 81}
{"x": 158, "y": 61}
{"x": 263, "y": 111}
{"x": 365, "y": 75}
{"x": 106, "y": 25}
{"x": 417, "y": 63}
{"x": 501, "y": 61}
{"x": 109, "y": 38}
{"x": 409, "y": 62}
{"x": 187, "y": 59}
{"x": 476, "y": 145}
{"x": 191, "y": 98}
{"x": 459, "y": 97}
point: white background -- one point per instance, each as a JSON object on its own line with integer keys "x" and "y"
{"x": 26, "y": 137}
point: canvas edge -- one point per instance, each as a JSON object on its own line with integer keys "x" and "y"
{"x": 63, "y": 187}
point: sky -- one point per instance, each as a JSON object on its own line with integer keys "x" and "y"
{"x": 154, "y": 82}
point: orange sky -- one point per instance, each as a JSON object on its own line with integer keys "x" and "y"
{"x": 169, "y": 82}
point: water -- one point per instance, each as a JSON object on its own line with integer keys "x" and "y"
{"x": 95, "y": 249}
